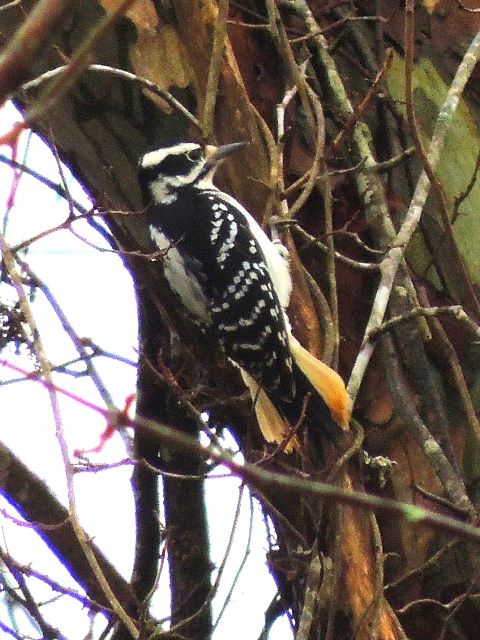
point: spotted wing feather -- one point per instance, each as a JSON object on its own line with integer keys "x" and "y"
{"x": 229, "y": 267}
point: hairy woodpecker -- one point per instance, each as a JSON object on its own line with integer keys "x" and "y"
{"x": 232, "y": 279}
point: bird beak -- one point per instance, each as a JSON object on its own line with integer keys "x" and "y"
{"x": 215, "y": 155}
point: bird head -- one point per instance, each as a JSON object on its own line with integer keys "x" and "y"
{"x": 186, "y": 164}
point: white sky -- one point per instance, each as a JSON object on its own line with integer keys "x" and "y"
{"x": 96, "y": 294}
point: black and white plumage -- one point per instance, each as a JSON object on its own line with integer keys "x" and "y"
{"x": 229, "y": 276}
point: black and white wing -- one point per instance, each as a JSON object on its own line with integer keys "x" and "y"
{"x": 216, "y": 264}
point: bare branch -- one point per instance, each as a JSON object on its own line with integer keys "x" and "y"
{"x": 392, "y": 260}
{"x": 216, "y": 60}
{"x": 46, "y": 370}
{"x": 263, "y": 479}
{"x": 60, "y": 86}
{"x": 27, "y": 44}
{"x": 121, "y": 73}
{"x": 41, "y": 509}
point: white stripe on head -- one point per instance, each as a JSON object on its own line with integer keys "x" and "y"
{"x": 153, "y": 158}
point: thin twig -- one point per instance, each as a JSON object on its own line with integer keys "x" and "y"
{"x": 214, "y": 588}
{"x": 378, "y": 597}
{"x": 45, "y": 368}
{"x": 277, "y": 29}
{"x": 314, "y": 574}
{"x": 166, "y": 377}
{"x": 30, "y": 605}
{"x": 281, "y": 518}
{"x": 249, "y": 25}
{"x": 451, "y": 482}
{"x": 9, "y": 5}
{"x": 53, "y": 93}
{"x": 393, "y": 162}
{"x": 317, "y": 174}
{"x": 27, "y": 43}
{"x": 216, "y": 60}
{"x": 364, "y": 105}
{"x": 392, "y": 260}
{"x": 440, "y": 501}
{"x": 459, "y": 200}
{"x": 324, "y": 316}
{"x": 290, "y": 436}
{"x": 430, "y": 164}
{"x": 427, "y": 312}
{"x": 121, "y": 73}
{"x": 84, "y": 213}
{"x": 363, "y": 266}
{"x": 11, "y": 632}
{"x": 468, "y": 9}
{"x": 431, "y": 564}
{"x": 280, "y": 183}
{"x": 263, "y": 479}
{"x": 61, "y": 173}
{"x": 319, "y": 160}
{"x": 81, "y": 346}
{"x": 241, "y": 566}
{"x": 33, "y": 525}
{"x": 43, "y": 179}
{"x": 355, "y": 238}
{"x": 354, "y": 448}
{"x": 338, "y": 23}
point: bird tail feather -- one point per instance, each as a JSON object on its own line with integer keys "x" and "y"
{"x": 328, "y": 384}
{"x": 273, "y": 427}
{"x": 325, "y": 381}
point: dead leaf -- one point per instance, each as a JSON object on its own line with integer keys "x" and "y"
{"x": 160, "y": 56}
{"x": 142, "y": 12}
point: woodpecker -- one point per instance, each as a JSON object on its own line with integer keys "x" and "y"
{"x": 233, "y": 281}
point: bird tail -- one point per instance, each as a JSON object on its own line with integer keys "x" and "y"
{"x": 274, "y": 428}
{"x": 325, "y": 381}
{"x": 332, "y": 408}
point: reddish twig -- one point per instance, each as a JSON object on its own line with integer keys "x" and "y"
{"x": 262, "y": 479}
{"x": 364, "y": 106}
{"x": 108, "y": 432}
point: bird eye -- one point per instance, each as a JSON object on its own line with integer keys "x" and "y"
{"x": 194, "y": 155}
